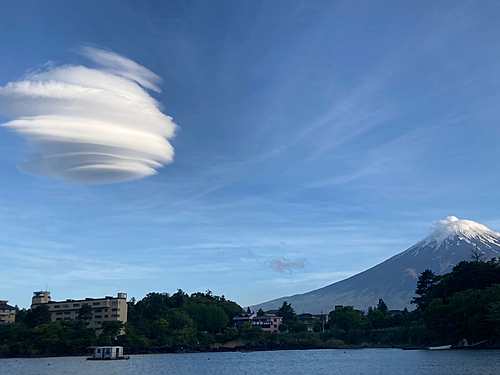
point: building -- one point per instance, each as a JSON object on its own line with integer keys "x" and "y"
{"x": 103, "y": 309}
{"x": 309, "y": 319}
{"x": 267, "y": 323}
{"x": 106, "y": 352}
{"x": 7, "y": 313}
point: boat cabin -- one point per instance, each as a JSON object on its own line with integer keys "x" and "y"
{"x": 106, "y": 352}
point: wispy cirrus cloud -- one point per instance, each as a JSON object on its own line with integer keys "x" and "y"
{"x": 34, "y": 265}
{"x": 90, "y": 125}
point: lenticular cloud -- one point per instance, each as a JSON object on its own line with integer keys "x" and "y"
{"x": 92, "y": 126}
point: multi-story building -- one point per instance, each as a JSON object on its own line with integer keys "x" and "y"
{"x": 103, "y": 309}
{"x": 7, "y": 313}
{"x": 309, "y": 319}
{"x": 267, "y": 323}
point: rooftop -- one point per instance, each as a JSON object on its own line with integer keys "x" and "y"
{"x": 4, "y": 306}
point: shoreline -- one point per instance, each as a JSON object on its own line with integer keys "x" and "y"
{"x": 256, "y": 349}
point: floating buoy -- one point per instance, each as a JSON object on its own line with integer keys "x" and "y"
{"x": 209, "y": 359}
{"x": 48, "y": 364}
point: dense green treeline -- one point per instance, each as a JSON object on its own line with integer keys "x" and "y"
{"x": 463, "y": 304}
{"x": 162, "y": 322}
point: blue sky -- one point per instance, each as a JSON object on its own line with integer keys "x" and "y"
{"x": 312, "y": 141}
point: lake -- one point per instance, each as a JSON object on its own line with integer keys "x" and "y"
{"x": 342, "y": 362}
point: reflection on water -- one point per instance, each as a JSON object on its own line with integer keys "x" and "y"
{"x": 361, "y": 361}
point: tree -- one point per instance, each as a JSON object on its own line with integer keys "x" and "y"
{"x": 319, "y": 322}
{"x": 260, "y": 312}
{"x": 248, "y": 310}
{"x": 85, "y": 314}
{"x": 39, "y": 315}
{"x": 208, "y": 317}
{"x": 494, "y": 315}
{"x": 477, "y": 255}
{"x": 346, "y": 318}
{"x": 229, "y": 334}
{"x": 231, "y": 309}
{"x": 252, "y": 335}
{"x": 283, "y": 327}
{"x": 20, "y": 315}
{"x": 377, "y": 319}
{"x": 299, "y": 327}
{"x": 111, "y": 328}
{"x": 425, "y": 283}
{"x": 48, "y": 338}
{"x": 382, "y": 307}
{"x": 178, "y": 319}
{"x": 436, "y": 317}
{"x": 287, "y": 313}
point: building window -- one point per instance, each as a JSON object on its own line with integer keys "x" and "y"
{"x": 114, "y": 303}
{"x": 65, "y": 306}
{"x": 96, "y": 323}
{"x": 76, "y": 305}
{"x": 98, "y": 310}
{"x": 57, "y": 306}
{"x": 58, "y": 313}
{"x": 58, "y": 318}
{"x": 115, "y": 309}
{"x": 67, "y": 312}
{"x": 115, "y": 315}
{"x": 105, "y": 316}
{"x": 98, "y": 316}
{"x": 67, "y": 318}
{"x": 96, "y": 303}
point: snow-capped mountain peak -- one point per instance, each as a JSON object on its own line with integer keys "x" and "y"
{"x": 452, "y": 227}
{"x": 394, "y": 280}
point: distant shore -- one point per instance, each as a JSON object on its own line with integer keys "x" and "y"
{"x": 249, "y": 349}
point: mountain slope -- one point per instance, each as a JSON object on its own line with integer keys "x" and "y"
{"x": 394, "y": 280}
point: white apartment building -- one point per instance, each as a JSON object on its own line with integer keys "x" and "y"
{"x": 103, "y": 309}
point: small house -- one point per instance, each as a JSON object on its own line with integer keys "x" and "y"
{"x": 106, "y": 352}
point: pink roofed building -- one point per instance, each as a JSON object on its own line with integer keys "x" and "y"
{"x": 268, "y": 323}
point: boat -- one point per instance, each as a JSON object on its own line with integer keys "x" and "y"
{"x": 105, "y": 353}
{"x": 442, "y": 347}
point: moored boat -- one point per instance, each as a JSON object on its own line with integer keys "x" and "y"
{"x": 100, "y": 353}
{"x": 442, "y": 347}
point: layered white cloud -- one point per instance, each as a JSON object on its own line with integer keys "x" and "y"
{"x": 90, "y": 125}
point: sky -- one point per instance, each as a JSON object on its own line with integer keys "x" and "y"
{"x": 255, "y": 149}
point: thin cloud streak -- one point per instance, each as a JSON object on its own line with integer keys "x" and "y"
{"x": 54, "y": 265}
{"x": 90, "y": 126}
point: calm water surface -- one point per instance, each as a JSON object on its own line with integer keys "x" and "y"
{"x": 364, "y": 361}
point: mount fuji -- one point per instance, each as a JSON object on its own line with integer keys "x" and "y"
{"x": 394, "y": 280}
